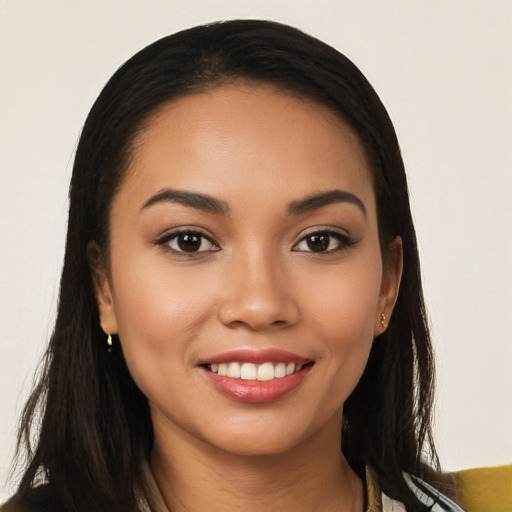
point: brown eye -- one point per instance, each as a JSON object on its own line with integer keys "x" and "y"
{"x": 323, "y": 241}
{"x": 189, "y": 242}
{"x": 318, "y": 243}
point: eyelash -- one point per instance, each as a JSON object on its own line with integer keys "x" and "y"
{"x": 174, "y": 236}
{"x": 343, "y": 242}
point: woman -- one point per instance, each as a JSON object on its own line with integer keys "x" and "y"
{"x": 241, "y": 322}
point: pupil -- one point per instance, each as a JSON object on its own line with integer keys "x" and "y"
{"x": 318, "y": 243}
{"x": 189, "y": 243}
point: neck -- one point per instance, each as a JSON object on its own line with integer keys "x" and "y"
{"x": 194, "y": 476}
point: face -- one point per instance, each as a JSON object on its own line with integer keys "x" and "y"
{"x": 246, "y": 281}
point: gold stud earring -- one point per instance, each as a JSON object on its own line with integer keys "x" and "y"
{"x": 110, "y": 344}
{"x": 383, "y": 320}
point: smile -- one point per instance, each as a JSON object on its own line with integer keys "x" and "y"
{"x": 250, "y": 371}
{"x": 256, "y": 376}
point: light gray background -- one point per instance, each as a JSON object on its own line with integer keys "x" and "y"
{"x": 444, "y": 70}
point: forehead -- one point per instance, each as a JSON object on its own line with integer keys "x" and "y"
{"x": 257, "y": 137}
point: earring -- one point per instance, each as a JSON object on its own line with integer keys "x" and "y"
{"x": 383, "y": 320}
{"x": 110, "y": 344}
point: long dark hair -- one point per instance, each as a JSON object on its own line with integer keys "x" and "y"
{"x": 95, "y": 432}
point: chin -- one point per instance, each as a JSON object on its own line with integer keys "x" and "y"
{"x": 257, "y": 445}
{"x": 267, "y": 436}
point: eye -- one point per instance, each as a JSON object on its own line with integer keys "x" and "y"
{"x": 188, "y": 242}
{"x": 323, "y": 241}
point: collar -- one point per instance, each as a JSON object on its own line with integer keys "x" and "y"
{"x": 373, "y": 493}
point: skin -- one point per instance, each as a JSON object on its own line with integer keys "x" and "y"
{"x": 256, "y": 284}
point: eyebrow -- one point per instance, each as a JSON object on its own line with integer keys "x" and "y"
{"x": 210, "y": 204}
{"x": 317, "y": 201}
{"x": 195, "y": 200}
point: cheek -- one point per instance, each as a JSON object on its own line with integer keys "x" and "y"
{"x": 346, "y": 300}
{"x": 343, "y": 310}
{"x": 159, "y": 313}
{"x": 154, "y": 294}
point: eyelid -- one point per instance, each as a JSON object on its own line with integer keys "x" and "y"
{"x": 186, "y": 230}
{"x": 330, "y": 230}
{"x": 344, "y": 239}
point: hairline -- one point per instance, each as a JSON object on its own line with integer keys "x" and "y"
{"x": 232, "y": 79}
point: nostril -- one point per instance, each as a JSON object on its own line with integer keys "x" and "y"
{"x": 251, "y": 308}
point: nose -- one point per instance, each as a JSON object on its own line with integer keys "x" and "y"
{"x": 258, "y": 296}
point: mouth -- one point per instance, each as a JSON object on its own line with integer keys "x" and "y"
{"x": 256, "y": 376}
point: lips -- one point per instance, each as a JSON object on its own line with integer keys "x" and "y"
{"x": 256, "y": 376}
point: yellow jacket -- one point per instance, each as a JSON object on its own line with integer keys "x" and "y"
{"x": 485, "y": 489}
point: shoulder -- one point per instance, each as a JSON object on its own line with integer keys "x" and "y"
{"x": 488, "y": 488}
{"x": 38, "y": 499}
{"x": 429, "y": 496}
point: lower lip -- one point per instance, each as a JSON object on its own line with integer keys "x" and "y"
{"x": 256, "y": 391}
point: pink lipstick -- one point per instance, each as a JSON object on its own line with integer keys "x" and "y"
{"x": 256, "y": 376}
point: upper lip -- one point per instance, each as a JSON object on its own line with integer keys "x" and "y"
{"x": 256, "y": 356}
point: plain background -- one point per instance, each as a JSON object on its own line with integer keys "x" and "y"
{"x": 444, "y": 70}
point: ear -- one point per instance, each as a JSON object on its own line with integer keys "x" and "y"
{"x": 391, "y": 276}
{"x": 102, "y": 288}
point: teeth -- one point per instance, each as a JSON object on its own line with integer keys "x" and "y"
{"x": 250, "y": 371}
{"x": 233, "y": 370}
{"x": 280, "y": 370}
{"x": 265, "y": 371}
